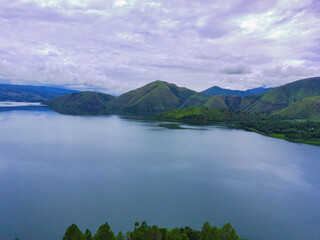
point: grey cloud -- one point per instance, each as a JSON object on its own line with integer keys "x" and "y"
{"x": 195, "y": 44}
{"x": 213, "y": 30}
{"x": 287, "y": 71}
{"x": 236, "y": 70}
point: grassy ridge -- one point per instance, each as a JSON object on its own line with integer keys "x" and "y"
{"x": 281, "y": 97}
{"x": 226, "y": 92}
{"x": 224, "y": 102}
{"x": 308, "y": 108}
{"x": 270, "y": 101}
{"x": 156, "y": 97}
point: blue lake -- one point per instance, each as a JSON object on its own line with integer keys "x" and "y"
{"x": 56, "y": 170}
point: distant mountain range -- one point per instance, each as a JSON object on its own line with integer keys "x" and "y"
{"x": 222, "y": 91}
{"x": 25, "y": 93}
{"x": 287, "y": 101}
{"x": 157, "y": 97}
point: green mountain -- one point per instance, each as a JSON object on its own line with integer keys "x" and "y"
{"x": 156, "y": 97}
{"x": 24, "y": 93}
{"x": 308, "y": 108}
{"x": 273, "y": 100}
{"x": 80, "y": 103}
{"x": 224, "y": 102}
{"x": 281, "y": 97}
{"x": 159, "y": 96}
{"x": 205, "y": 114}
{"x": 226, "y": 92}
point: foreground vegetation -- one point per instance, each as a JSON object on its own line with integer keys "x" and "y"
{"x": 145, "y": 232}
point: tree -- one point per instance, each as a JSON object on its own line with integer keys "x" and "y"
{"x": 154, "y": 233}
{"x": 88, "y": 235}
{"x": 104, "y": 233}
{"x": 175, "y": 234}
{"x": 73, "y": 233}
{"x": 120, "y": 236}
{"x": 140, "y": 232}
{"x": 227, "y": 232}
{"x": 205, "y": 232}
{"x": 191, "y": 233}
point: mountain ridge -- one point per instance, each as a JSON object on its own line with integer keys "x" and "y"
{"x": 283, "y": 96}
{"x": 159, "y": 96}
{"x": 215, "y": 90}
{"x": 307, "y": 108}
{"x": 154, "y": 97}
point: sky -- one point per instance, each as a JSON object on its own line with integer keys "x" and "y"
{"x": 118, "y": 45}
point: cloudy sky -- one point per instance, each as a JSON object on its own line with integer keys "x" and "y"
{"x": 118, "y": 45}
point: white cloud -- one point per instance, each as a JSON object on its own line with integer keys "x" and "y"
{"x": 119, "y": 45}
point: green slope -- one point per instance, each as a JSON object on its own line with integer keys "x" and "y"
{"x": 205, "y": 114}
{"x": 195, "y": 100}
{"x": 156, "y": 97}
{"x": 224, "y": 102}
{"x": 80, "y": 103}
{"x": 308, "y": 108}
{"x": 213, "y": 91}
{"x": 281, "y": 97}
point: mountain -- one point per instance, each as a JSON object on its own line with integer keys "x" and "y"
{"x": 24, "y": 93}
{"x": 281, "y": 97}
{"x": 80, "y": 103}
{"x": 205, "y": 114}
{"x": 224, "y": 102}
{"x": 159, "y": 96}
{"x": 270, "y": 101}
{"x": 156, "y": 97}
{"x": 226, "y": 92}
{"x": 258, "y": 90}
{"x": 308, "y": 108}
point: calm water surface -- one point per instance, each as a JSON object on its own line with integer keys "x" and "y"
{"x": 56, "y": 170}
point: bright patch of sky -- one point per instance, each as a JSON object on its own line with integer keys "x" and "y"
{"x": 118, "y": 45}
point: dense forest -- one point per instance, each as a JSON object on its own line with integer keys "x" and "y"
{"x": 145, "y": 232}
